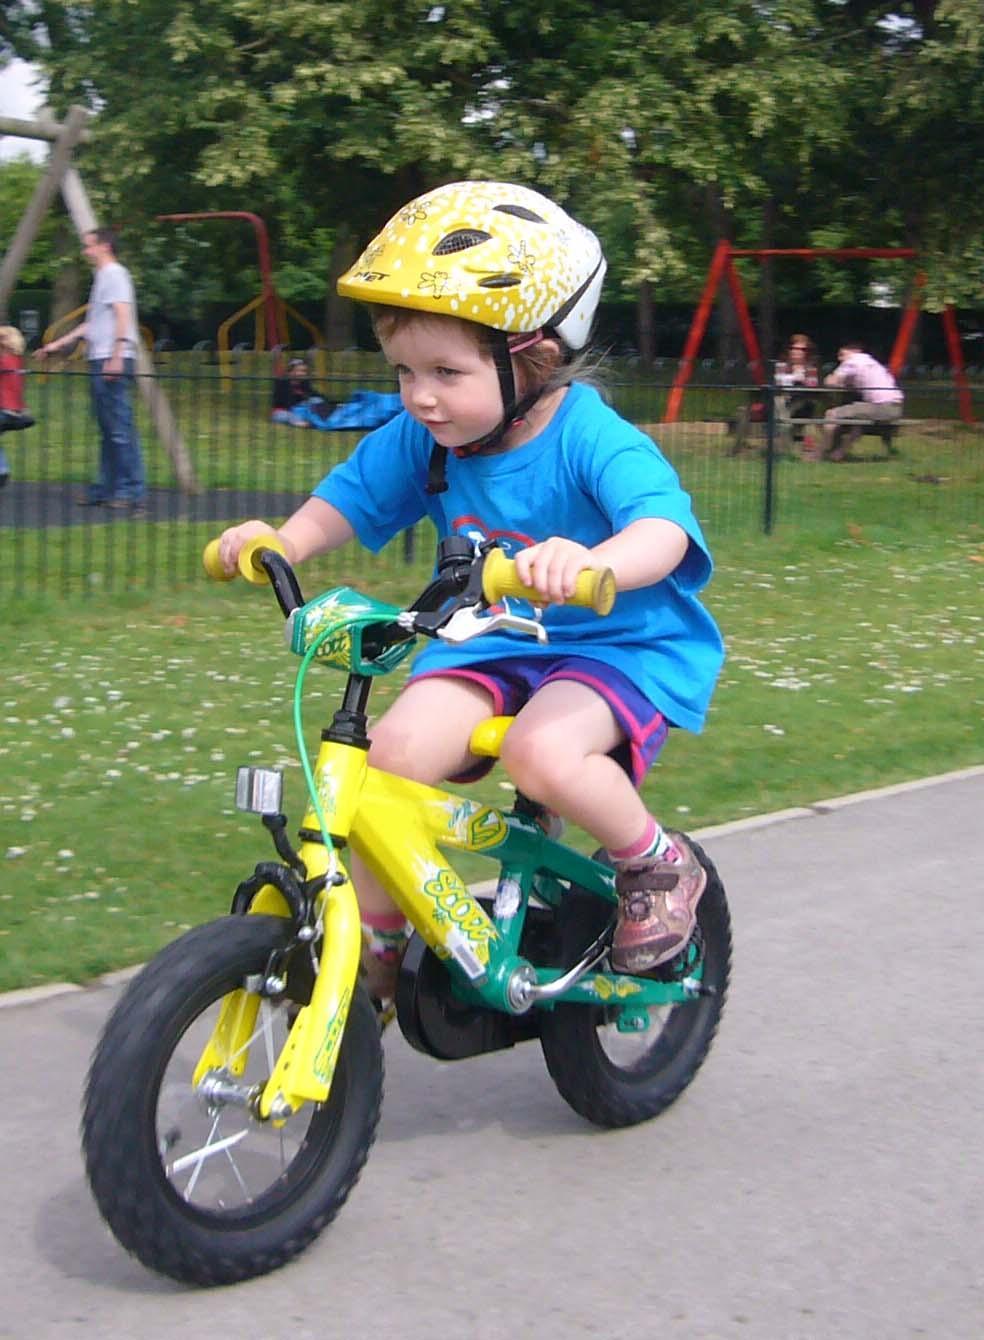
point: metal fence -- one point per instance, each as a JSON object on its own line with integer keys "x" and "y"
{"x": 739, "y": 463}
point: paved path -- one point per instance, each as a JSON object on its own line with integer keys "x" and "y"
{"x": 821, "y": 1178}
{"x": 28, "y": 505}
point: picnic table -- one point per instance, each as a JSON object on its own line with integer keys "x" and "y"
{"x": 789, "y": 403}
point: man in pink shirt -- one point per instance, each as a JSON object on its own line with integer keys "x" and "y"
{"x": 880, "y": 400}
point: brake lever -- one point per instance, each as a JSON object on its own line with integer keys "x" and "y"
{"x": 466, "y": 623}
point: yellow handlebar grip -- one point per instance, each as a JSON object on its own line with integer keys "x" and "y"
{"x": 594, "y": 588}
{"x": 248, "y": 561}
{"x": 213, "y": 565}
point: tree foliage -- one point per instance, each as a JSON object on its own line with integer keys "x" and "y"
{"x": 660, "y": 126}
{"x": 18, "y": 179}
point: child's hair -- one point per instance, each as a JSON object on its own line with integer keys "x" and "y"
{"x": 542, "y": 367}
{"x": 11, "y": 340}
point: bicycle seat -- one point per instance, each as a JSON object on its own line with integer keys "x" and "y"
{"x": 486, "y": 738}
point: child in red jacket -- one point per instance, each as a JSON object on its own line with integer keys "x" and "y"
{"x": 13, "y": 411}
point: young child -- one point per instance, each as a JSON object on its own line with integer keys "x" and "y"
{"x": 13, "y": 411}
{"x": 479, "y": 292}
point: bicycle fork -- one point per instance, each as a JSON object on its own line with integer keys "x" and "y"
{"x": 303, "y": 1071}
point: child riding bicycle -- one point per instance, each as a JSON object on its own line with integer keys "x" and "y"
{"x": 481, "y": 293}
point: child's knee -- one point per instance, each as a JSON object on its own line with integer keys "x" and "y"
{"x": 538, "y": 770}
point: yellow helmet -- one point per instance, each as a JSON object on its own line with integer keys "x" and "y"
{"x": 500, "y": 255}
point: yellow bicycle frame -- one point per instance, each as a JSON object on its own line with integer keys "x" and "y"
{"x": 394, "y": 826}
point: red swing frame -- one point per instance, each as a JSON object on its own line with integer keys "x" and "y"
{"x": 723, "y": 267}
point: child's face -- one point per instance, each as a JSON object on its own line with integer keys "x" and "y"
{"x": 447, "y": 382}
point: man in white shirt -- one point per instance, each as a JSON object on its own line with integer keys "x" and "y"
{"x": 880, "y": 400}
{"x": 111, "y": 333}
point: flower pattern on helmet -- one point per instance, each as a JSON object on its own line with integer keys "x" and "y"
{"x": 436, "y": 282}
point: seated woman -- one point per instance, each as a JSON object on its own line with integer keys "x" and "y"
{"x": 293, "y": 391}
{"x": 797, "y": 370}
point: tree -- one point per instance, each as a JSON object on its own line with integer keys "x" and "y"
{"x": 18, "y": 179}
{"x": 768, "y": 120}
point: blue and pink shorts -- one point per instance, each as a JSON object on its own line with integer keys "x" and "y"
{"x": 513, "y": 681}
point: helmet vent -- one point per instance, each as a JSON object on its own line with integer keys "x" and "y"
{"x": 521, "y": 212}
{"x": 460, "y": 240}
{"x": 500, "y": 281}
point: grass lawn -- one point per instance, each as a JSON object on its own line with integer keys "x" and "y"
{"x": 856, "y": 658}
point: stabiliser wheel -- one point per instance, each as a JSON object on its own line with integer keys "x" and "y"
{"x": 189, "y": 1180}
{"x": 619, "y": 1079}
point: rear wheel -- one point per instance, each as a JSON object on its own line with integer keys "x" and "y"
{"x": 188, "y": 1178}
{"x": 619, "y": 1079}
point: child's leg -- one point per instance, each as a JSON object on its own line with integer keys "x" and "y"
{"x": 558, "y": 754}
{"x": 423, "y": 736}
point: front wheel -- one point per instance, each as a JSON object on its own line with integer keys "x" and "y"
{"x": 619, "y": 1079}
{"x": 189, "y": 1180}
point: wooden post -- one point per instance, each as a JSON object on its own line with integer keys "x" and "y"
{"x": 33, "y": 216}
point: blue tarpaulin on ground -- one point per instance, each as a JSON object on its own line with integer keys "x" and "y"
{"x": 363, "y": 409}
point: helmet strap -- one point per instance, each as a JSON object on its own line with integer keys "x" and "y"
{"x": 514, "y": 410}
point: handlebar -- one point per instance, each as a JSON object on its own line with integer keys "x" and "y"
{"x": 594, "y": 588}
{"x": 473, "y": 584}
{"x": 261, "y": 561}
{"x": 249, "y": 561}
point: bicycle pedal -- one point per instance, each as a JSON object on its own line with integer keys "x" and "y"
{"x": 385, "y": 1011}
{"x": 694, "y": 987}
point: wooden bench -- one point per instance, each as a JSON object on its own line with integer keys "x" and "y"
{"x": 746, "y": 423}
{"x": 886, "y": 430}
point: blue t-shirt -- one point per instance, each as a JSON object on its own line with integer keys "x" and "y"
{"x": 586, "y": 476}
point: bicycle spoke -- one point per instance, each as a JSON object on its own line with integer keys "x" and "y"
{"x": 206, "y": 1152}
{"x": 235, "y": 1170}
{"x": 200, "y": 1155}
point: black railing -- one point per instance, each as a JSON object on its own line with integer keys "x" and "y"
{"x": 738, "y": 457}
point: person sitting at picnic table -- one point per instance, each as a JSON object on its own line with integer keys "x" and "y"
{"x": 879, "y": 400}
{"x": 796, "y": 371}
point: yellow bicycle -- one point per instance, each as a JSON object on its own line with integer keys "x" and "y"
{"x": 233, "y": 1097}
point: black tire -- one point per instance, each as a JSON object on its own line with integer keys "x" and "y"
{"x": 588, "y": 1059}
{"x": 290, "y": 1181}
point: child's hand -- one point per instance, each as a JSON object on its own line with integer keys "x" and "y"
{"x": 552, "y": 567}
{"x": 233, "y": 539}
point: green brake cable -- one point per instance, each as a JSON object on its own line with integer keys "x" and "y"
{"x": 299, "y": 732}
